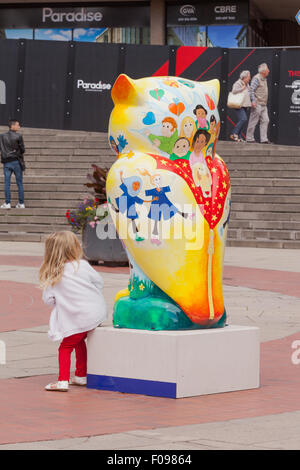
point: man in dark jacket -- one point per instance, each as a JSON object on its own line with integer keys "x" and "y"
{"x": 12, "y": 156}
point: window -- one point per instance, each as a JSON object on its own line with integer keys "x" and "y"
{"x": 53, "y": 34}
{"x": 187, "y": 36}
{"x": 19, "y": 34}
{"x": 227, "y": 35}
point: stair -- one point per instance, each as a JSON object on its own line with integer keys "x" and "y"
{"x": 265, "y": 187}
{"x": 265, "y": 183}
{"x": 57, "y": 164}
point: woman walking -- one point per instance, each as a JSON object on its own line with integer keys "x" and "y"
{"x": 241, "y": 86}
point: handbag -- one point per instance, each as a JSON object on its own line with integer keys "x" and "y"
{"x": 235, "y": 100}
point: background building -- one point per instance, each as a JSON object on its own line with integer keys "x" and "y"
{"x": 208, "y": 23}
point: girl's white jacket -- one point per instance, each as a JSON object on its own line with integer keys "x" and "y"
{"x": 78, "y": 301}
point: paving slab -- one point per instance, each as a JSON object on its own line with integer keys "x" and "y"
{"x": 260, "y": 289}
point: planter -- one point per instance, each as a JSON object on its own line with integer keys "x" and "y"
{"x": 103, "y": 244}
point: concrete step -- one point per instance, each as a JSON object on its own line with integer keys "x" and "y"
{"x": 265, "y": 207}
{"x": 60, "y": 179}
{"x": 57, "y": 172}
{"x": 278, "y": 174}
{"x": 265, "y": 198}
{"x": 263, "y": 182}
{"x": 32, "y": 228}
{"x": 287, "y": 244}
{"x": 66, "y": 196}
{"x": 262, "y": 159}
{"x": 254, "y": 215}
{"x": 52, "y": 164}
{"x": 33, "y": 211}
{"x": 244, "y": 234}
{"x": 67, "y": 152}
{"x": 67, "y": 158}
{"x": 266, "y": 190}
{"x": 52, "y": 144}
{"x": 260, "y": 167}
{"x": 264, "y": 224}
{"x": 62, "y": 188}
{"x": 31, "y": 219}
{"x": 22, "y": 237}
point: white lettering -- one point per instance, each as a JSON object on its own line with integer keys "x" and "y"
{"x": 2, "y": 92}
{"x": 187, "y": 10}
{"x": 98, "y": 86}
{"x": 46, "y": 13}
{"x": 226, "y": 9}
{"x": 71, "y": 16}
{"x": 2, "y": 352}
{"x": 295, "y": 356}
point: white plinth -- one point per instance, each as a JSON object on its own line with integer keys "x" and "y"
{"x": 174, "y": 364}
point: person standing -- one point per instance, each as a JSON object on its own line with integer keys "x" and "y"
{"x": 12, "y": 156}
{"x": 259, "y": 110}
{"x": 241, "y": 86}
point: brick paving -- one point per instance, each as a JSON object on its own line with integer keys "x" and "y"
{"x": 31, "y": 414}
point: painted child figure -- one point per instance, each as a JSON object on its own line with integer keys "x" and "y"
{"x": 169, "y": 134}
{"x": 74, "y": 289}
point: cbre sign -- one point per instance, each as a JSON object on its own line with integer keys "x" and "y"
{"x": 209, "y": 13}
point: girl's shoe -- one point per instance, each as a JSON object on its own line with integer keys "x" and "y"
{"x": 234, "y": 137}
{"x": 77, "y": 381}
{"x": 20, "y": 206}
{"x": 60, "y": 386}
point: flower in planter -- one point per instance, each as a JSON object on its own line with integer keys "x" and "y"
{"x": 86, "y": 213}
{"x": 94, "y": 207}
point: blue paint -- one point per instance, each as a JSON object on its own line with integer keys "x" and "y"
{"x": 137, "y": 386}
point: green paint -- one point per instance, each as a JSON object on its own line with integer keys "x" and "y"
{"x": 149, "y": 308}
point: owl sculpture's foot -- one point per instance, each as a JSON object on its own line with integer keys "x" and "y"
{"x": 153, "y": 313}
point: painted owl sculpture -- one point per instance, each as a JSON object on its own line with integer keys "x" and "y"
{"x": 169, "y": 197}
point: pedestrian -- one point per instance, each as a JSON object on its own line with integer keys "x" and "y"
{"x": 259, "y": 110}
{"x": 241, "y": 86}
{"x": 74, "y": 289}
{"x": 12, "y": 156}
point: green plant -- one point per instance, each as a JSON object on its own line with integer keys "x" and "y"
{"x": 93, "y": 209}
{"x": 97, "y": 182}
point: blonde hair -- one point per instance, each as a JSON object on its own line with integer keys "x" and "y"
{"x": 183, "y": 134}
{"x": 60, "y": 247}
{"x": 146, "y": 173}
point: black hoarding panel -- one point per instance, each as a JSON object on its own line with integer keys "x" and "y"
{"x": 145, "y": 61}
{"x": 289, "y": 98}
{"x": 8, "y": 79}
{"x": 198, "y": 63}
{"x": 44, "y": 84}
{"x": 249, "y": 59}
{"x": 95, "y": 71}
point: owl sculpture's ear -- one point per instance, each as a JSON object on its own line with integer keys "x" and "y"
{"x": 213, "y": 85}
{"x": 124, "y": 91}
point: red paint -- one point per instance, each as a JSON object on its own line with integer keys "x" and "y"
{"x": 162, "y": 71}
{"x": 186, "y": 56}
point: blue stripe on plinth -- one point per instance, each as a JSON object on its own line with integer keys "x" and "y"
{"x": 137, "y": 386}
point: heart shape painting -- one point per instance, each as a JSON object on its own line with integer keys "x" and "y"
{"x": 149, "y": 119}
{"x": 157, "y": 94}
{"x": 177, "y": 108}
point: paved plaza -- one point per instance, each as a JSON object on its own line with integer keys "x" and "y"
{"x": 261, "y": 288}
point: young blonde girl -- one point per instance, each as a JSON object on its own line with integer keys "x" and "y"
{"x": 74, "y": 288}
